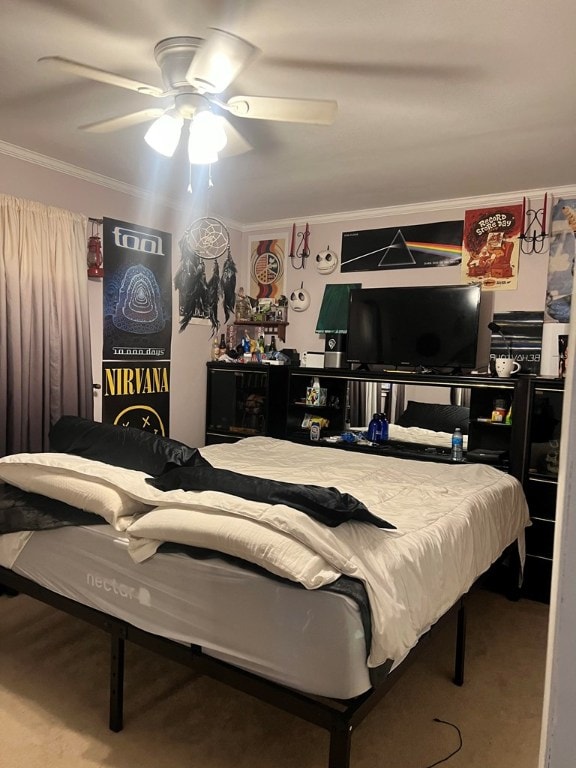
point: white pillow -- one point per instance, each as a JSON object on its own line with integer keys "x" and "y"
{"x": 241, "y": 537}
{"x": 89, "y": 494}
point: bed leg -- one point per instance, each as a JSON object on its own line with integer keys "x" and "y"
{"x": 340, "y": 744}
{"x": 460, "y": 645}
{"x": 116, "y": 715}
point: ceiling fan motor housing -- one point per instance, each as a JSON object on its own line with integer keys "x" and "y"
{"x": 174, "y": 56}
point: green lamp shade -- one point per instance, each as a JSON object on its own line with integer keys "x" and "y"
{"x": 333, "y": 317}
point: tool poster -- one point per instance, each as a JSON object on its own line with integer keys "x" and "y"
{"x": 137, "y": 395}
{"x": 137, "y": 311}
{"x": 491, "y": 247}
{"x": 418, "y": 245}
{"x": 137, "y": 292}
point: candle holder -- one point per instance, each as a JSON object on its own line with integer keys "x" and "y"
{"x": 533, "y": 238}
{"x": 298, "y": 259}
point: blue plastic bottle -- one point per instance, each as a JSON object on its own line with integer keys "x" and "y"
{"x": 375, "y": 428}
{"x": 384, "y": 428}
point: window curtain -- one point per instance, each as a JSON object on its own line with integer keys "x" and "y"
{"x": 45, "y": 363}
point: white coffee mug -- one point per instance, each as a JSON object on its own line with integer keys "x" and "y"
{"x": 506, "y": 366}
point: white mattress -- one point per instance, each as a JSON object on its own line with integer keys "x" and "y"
{"x": 312, "y": 641}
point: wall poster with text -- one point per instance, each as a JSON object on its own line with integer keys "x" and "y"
{"x": 137, "y": 333}
{"x": 417, "y": 245}
{"x": 491, "y": 247}
{"x": 137, "y": 292}
{"x": 137, "y": 395}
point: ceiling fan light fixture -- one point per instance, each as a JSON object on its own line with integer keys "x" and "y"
{"x": 207, "y": 138}
{"x": 164, "y": 133}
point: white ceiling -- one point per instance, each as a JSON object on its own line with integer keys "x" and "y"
{"x": 437, "y": 99}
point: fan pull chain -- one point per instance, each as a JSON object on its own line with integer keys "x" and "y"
{"x": 190, "y": 178}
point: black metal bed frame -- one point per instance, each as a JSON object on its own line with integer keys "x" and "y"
{"x": 338, "y": 717}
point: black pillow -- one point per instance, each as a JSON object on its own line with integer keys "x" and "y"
{"x": 126, "y": 447}
{"x": 326, "y": 505}
{"x": 440, "y": 418}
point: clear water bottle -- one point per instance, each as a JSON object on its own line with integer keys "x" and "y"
{"x": 375, "y": 428}
{"x": 457, "y": 445}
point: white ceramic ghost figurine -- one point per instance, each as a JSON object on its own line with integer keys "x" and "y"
{"x": 326, "y": 261}
{"x": 299, "y": 299}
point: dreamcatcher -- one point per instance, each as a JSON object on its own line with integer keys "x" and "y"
{"x": 205, "y": 239}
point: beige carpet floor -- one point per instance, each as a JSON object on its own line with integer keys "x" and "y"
{"x": 53, "y": 702}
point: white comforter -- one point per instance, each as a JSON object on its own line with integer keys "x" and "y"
{"x": 452, "y": 522}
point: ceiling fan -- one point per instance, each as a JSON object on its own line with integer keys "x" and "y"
{"x": 194, "y": 73}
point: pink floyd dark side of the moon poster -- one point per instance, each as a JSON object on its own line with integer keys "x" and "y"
{"x": 409, "y": 247}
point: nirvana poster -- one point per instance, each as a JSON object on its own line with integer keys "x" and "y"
{"x": 491, "y": 247}
{"x": 418, "y": 245}
{"x": 137, "y": 292}
{"x": 137, "y": 395}
{"x": 137, "y": 296}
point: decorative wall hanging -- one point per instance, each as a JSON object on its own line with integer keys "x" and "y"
{"x": 298, "y": 258}
{"x": 561, "y": 261}
{"x": 267, "y": 266}
{"x": 418, "y": 245}
{"x": 491, "y": 247}
{"x": 94, "y": 255}
{"x": 534, "y": 228}
{"x": 299, "y": 299}
{"x": 205, "y": 239}
{"x": 326, "y": 261}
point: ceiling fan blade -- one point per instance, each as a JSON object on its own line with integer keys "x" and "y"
{"x": 219, "y": 61}
{"x": 314, "y": 111}
{"x": 124, "y": 121}
{"x": 100, "y": 75}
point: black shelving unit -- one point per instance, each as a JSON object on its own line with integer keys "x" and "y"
{"x": 245, "y": 399}
{"x": 536, "y": 450}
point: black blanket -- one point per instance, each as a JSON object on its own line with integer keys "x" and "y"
{"x": 23, "y": 511}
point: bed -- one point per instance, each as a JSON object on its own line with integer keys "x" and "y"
{"x": 304, "y": 575}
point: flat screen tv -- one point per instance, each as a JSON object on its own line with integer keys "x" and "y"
{"x": 427, "y": 327}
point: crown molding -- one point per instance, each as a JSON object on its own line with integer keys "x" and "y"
{"x": 435, "y": 206}
{"x": 458, "y": 203}
{"x": 60, "y": 166}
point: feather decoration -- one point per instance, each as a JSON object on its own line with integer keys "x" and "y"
{"x": 190, "y": 282}
{"x": 228, "y": 286}
{"x": 213, "y": 294}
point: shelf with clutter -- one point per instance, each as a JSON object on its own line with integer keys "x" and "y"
{"x": 270, "y": 315}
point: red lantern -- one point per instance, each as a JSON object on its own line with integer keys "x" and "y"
{"x": 95, "y": 257}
